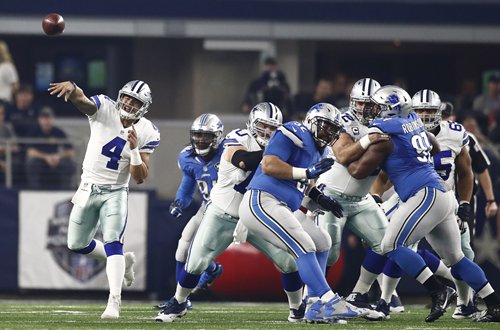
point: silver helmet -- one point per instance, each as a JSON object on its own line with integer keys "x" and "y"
{"x": 427, "y": 105}
{"x": 263, "y": 121}
{"x": 206, "y": 133}
{"x": 389, "y": 102}
{"x": 323, "y": 121}
{"x": 361, "y": 92}
{"x": 138, "y": 90}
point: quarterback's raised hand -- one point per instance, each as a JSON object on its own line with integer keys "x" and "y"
{"x": 175, "y": 209}
{"x": 319, "y": 168}
{"x": 132, "y": 137}
{"x": 65, "y": 88}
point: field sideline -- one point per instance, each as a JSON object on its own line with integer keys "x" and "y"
{"x": 15, "y": 314}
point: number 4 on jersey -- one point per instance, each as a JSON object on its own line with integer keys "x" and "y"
{"x": 113, "y": 149}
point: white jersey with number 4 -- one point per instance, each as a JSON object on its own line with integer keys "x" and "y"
{"x": 338, "y": 177}
{"x": 452, "y": 137}
{"x": 232, "y": 181}
{"x": 107, "y": 160}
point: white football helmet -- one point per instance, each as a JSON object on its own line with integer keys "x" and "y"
{"x": 361, "y": 91}
{"x": 206, "y": 133}
{"x": 323, "y": 121}
{"x": 390, "y": 101}
{"x": 429, "y": 102}
{"x": 140, "y": 91}
{"x": 263, "y": 121}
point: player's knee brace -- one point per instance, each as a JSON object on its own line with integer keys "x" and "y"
{"x": 113, "y": 248}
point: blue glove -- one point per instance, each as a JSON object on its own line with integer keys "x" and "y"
{"x": 319, "y": 168}
{"x": 331, "y": 205}
{"x": 175, "y": 209}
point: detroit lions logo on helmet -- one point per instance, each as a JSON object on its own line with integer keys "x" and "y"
{"x": 394, "y": 99}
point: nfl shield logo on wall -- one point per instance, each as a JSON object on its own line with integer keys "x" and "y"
{"x": 80, "y": 267}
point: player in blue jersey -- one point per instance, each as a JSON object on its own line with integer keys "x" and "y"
{"x": 293, "y": 156}
{"x": 199, "y": 163}
{"x": 427, "y": 209}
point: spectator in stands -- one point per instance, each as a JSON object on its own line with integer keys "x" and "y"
{"x": 6, "y": 135}
{"x": 487, "y": 105}
{"x": 302, "y": 102}
{"x": 465, "y": 99}
{"x": 271, "y": 86}
{"x": 341, "y": 91}
{"x": 22, "y": 113}
{"x": 9, "y": 79}
{"x": 49, "y": 165}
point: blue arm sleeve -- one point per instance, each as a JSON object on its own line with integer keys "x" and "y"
{"x": 186, "y": 190}
{"x": 280, "y": 146}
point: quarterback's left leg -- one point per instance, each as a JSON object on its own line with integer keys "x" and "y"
{"x": 113, "y": 218}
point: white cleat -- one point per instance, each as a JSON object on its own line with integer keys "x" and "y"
{"x": 112, "y": 311}
{"x": 129, "y": 277}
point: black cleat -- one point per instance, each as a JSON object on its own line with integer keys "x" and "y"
{"x": 440, "y": 301}
{"x": 359, "y": 300}
{"x": 383, "y": 307}
{"x": 492, "y": 314}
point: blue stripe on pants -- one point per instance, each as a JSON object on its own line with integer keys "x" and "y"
{"x": 417, "y": 215}
{"x": 273, "y": 226}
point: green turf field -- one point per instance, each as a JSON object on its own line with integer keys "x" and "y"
{"x": 15, "y": 314}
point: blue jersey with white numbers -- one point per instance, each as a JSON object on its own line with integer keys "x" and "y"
{"x": 196, "y": 172}
{"x": 409, "y": 166}
{"x": 294, "y": 144}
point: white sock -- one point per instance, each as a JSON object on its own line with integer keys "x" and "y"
{"x": 98, "y": 252}
{"x": 388, "y": 287}
{"x": 181, "y": 293}
{"x": 462, "y": 292}
{"x": 365, "y": 281}
{"x": 444, "y": 271}
{"x": 115, "y": 270}
{"x": 327, "y": 296}
{"x": 294, "y": 298}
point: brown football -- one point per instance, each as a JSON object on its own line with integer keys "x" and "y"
{"x": 53, "y": 24}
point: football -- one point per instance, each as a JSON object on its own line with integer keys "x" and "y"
{"x": 53, "y": 24}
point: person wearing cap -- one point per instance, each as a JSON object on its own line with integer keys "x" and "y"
{"x": 49, "y": 162}
{"x": 486, "y": 107}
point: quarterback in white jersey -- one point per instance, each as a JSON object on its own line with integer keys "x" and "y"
{"x": 121, "y": 143}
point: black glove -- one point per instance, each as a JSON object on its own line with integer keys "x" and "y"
{"x": 377, "y": 199}
{"x": 175, "y": 209}
{"x": 462, "y": 225}
{"x": 319, "y": 168}
{"x": 465, "y": 212}
{"x": 330, "y": 204}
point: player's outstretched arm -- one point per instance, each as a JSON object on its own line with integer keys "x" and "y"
{"x": 436, "y": 148}
{"x": 347, "y": 151}
{"x": 370, "y": 160}
{"x": 70, "y": 91}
